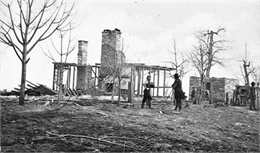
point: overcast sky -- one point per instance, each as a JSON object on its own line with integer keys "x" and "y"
{"x": 148, "y": 28}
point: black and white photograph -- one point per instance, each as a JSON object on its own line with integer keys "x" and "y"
{"x": 130, "y": 76}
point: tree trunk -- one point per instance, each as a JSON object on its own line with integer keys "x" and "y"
{"x": 60, "y": 82}
{"x": 201, "y": 89}
{"x": 246, "y": 74}
{"x": 113, "y": 89}
{"x": 23, "y": 78}
{"x": 210, "y": 55}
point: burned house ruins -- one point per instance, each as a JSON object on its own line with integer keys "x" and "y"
{"x": 82, "y": 76}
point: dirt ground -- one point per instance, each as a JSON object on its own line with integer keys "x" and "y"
{"x": 99, "y": 126}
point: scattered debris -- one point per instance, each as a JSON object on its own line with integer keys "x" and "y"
{"x": 238, "y": 123}
{"x": 31, "y": 90}
{"x": 44, "y": 90}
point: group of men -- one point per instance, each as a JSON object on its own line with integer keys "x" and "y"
{"x": 179, "y": 94}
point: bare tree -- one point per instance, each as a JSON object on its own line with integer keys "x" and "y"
{"x": 248, "y": 69}
{"x": 115, "y": 67}
{"x": 212, "y": 48}
{"x": 120, "y": 70}
{"x": 256, "y": 73}
{"x": 198, "y": 59}
{"x": 179, "y": 61}
{"x": 28, "y": 23}
{"x": 63, "y": 54}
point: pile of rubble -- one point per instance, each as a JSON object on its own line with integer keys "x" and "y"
{"x": 32, "y": 89}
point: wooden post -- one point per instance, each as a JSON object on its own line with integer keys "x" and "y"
{"x": 129, "y": 92}
{"x": 164, "y": 77}
{"x": 154, "y": 81}
{"x": 134, "y": 79}
{"x": 139, "y": 81}
{"x": 158, "y": 81}
{"x": 257, "y": 96}
{"x": 142, "y": 80}
{"x": 130, "y": 86}
{"x": 227, "y": 99}
{"x": 68, "y": 76}
{"x": 95, "y": 76}
{"x": 58, "y": 76}
{"x": 73, "y": 83}
{"x": 54, "y": 76}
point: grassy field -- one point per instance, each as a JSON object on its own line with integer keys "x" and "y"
{"x": 95, "y": 125}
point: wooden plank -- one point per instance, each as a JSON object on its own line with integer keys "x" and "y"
{"x": 73, "y": 92}
{"x": 162, "y": 87}
{"x": 70, "y": 91}
{"x": 31, "y": 83}
{"x": 17, "y": 89}
{"x": 76, "y": 92}
{"x": 31, "y": 86}
{"x": 25, "y": 87}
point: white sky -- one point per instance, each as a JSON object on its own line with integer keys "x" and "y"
{"x": 148, "y": 28}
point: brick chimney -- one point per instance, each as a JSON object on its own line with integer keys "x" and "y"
{"x": 110, "y": 49}
{"x": 82, "y": 52}
{"x": 83, "y": 71}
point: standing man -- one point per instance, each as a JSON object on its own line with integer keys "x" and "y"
{"x": 252, "y": 96}
{"x": 193, "y": 95}
{"x": 178, "y": 93}
{"x": 147, "y": 96}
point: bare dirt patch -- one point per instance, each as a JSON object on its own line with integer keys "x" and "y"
{"x": 105, "y": 127}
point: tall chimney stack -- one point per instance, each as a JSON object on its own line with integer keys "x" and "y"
{"x": 83, "y": 71}
{"x": 82, "y": 52}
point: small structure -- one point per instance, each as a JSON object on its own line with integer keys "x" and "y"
{"x": 72, "y": 76}
{"x": 221, "y": 88}
{"x": 240, "y": 95}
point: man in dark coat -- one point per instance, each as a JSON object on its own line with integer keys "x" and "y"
{"x": 252, "y": 96}
{"x": 193, "y": 95}
{"x": 178, "y": 93}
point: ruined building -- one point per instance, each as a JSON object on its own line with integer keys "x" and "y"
{"x": 71, "y": 76}
{"x": 220, "y": 87}
{"x": 82, "y": 76}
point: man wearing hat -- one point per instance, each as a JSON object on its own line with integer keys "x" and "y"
{"x": 178, "y": 93}
{"x": 252, "y": 96}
